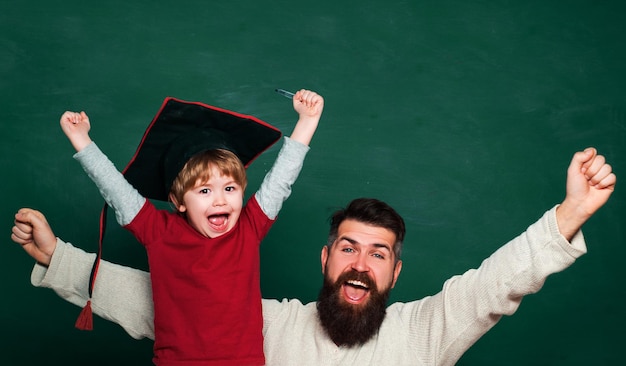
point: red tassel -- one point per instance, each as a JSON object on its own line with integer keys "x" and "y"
{"x": 85, "y": 318}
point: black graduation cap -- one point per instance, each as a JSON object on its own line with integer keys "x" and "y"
{"x": 183, "y": 129}
{"x": 179, "y": 131}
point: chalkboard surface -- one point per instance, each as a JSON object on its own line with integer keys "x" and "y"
{"x": 462, "y": 115}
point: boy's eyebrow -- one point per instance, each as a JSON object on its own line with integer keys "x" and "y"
{"x": 354, "y": 242}
{"x": 230, "y": 180}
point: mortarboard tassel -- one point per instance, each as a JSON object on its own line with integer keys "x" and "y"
{"x": 85, "y": 318}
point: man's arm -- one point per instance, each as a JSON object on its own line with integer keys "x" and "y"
{"x": 32, "y": 231}
{"x": 590, "y": 183}
{"x": 470, "y": 304}
{"x": 121, "y": 294}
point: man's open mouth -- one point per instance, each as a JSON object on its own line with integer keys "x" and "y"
{"x": 355, "y": 291}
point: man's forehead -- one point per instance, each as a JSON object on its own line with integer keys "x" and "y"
{"x": 364, "y": 233}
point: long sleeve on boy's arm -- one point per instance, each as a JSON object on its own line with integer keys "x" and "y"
{"x": 115, "y": 190}
{"x": 122, "y": 295}
{"x": 276, "y": 186}
{"x": 471, "y": 304}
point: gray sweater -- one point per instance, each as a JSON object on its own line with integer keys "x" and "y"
{"x": 435, "y": 330}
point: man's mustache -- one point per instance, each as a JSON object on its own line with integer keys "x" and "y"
{"x": 356, "y": 276}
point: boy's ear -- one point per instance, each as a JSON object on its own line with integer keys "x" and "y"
{"x": 179, "y": 207}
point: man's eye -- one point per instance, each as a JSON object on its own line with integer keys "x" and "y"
{"x": 379, "y": 256}
{"x": 347, "y": 250}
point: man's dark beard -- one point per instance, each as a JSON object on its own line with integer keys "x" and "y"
{"x": 348, "y": 324}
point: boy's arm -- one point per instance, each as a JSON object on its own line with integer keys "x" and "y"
{"x": 309, "y": 106}
{"x": 276, "y": 186}
{"x": 76, "y": 127}
{"x": 116, "y": 191}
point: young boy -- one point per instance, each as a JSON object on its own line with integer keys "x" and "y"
{"x": 204, "y": 259}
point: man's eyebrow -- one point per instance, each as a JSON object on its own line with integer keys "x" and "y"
{"x": 348, "y": 239}
{"x": 354, "y": 242}
{"x": 382, "y": 246}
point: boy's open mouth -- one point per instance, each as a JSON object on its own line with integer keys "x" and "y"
{"x": 218, "y": 222}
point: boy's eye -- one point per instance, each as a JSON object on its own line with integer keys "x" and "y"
{"x": 230, "y": 189}
{"x": 204, "y": 190}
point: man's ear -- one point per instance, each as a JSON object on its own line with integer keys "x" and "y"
{"x": 179, "y": 207}
{"x": 396, "y": 272}
{"x": 324, "y": 258}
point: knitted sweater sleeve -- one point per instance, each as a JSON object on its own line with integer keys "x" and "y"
{"x": 122, "y": 294}
{"x": 472, "y": 303}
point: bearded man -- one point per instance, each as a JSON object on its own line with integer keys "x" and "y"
{"x": 351, "y": 324}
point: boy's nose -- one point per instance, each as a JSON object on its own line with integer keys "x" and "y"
{"x": 218, "y": 199}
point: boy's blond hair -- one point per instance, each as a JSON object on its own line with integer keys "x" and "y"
{"x": 196, "y": 171}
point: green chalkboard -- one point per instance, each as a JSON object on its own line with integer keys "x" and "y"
{"x": 463, "y": 115}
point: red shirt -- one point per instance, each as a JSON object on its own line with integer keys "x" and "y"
{"x": 206, "y": 291}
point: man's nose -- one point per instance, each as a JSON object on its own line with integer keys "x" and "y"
{"x": 360, "y": 263}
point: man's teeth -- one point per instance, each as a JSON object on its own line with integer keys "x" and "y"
{"x": 357, "y": 283}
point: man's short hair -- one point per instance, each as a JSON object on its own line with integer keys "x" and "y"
{"x": 372, "y": 212}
